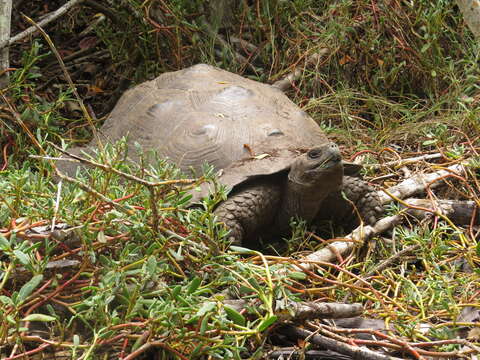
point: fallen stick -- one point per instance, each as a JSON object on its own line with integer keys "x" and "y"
{"x": 5, "y": 21}
{"x": 402, "y": 162}
{"x": 460, "y": 212}
{"x": 355, "y": 352}
{"x": 418, "y": 183}
{"x": 49, "y": 18}
{"x": 299, "y": 353}
{"x": 286, "y": 82}
{"x": 305, "y": 310}
{"x": 243, "y": 44}
{"x": 360, "y": 234}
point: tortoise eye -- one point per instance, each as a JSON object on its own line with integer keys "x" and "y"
{"x": 314, "y": 154}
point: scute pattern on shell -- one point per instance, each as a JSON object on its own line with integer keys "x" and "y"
{"x": 205, "y": 114}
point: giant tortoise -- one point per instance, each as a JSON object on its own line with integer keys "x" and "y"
{"x": 274, "y": 157}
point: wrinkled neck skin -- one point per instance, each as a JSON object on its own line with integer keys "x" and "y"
{"x": 303, "y": 201}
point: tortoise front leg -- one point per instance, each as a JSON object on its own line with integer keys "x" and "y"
{"x": 363, "y": 204}
{"x": 248, "y": 212}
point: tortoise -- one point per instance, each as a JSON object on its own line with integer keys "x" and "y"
{"x": 276, "y": 160}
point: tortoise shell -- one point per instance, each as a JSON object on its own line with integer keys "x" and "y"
{"x": 205, "y": 114}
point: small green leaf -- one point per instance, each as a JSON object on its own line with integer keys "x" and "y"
{"x": 39, "y": 317}
{"x": 254, "y": 283}
{"x": 206, "y": 307}
{"x": 244, "y": 290}
{"x": 6, "y": 300}
{"x": 267, "y": 322}
{"x": 27, "y": 289}
{"x": 425, "y": 47}
{"x": 243, "y": 250}
{"x": 234, "y": 315}
{"x": 204, "y": 325}
{"x": 151, "y": 265}
{"x": 22, "y": 257}
{"x": 11, "y": 320}
{"x": 176, "y": 290}
{"x": 176, "y": 295}
{"x": 194, "y": 284}
{"x": 196, "y": 351}
{"x": 4, "y": 244}
{"x": 297, "y": 275}
{"x": 429, "y": 142}
{"x": 184, "y": 200}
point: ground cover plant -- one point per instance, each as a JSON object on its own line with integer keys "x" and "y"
{"x": 116, "y": 265}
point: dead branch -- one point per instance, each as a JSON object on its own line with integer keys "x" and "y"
{"x": 5, "y": 20}
{"x": 286, "y": 82}
{"x": 95, "y": 193}
{"x": 69, "y": 79}
{"x": 386, "y": 263}
{"x": 243, "y": 44}
{"x": 301, "y": 311}
{"x": 295, "y": 353}
{"x": 49, "y": 18}
{"x": 460, "y": 212}
{"x": 355, "y": 352}
{"x": 403, "y": 162}
{"x": 418, "y": 183}
{"x": 306, "y": 310}
{"x": 242, "y": 60}
{"x": 359, "y": 235}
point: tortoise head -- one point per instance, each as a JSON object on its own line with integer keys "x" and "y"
{"x": 319, "y": 168}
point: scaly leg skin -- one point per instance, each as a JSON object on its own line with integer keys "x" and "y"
{"x": 341, "y": 212}
{"x": 249, "y": 211}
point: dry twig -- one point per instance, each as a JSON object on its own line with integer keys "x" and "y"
{"x": 418, "y": 183}
{"x": 69, "y": 79}
{"x": 460, "y": 212}
{"x": 359, "y": 235}
{"x": 403, "y": 162}
{"x": 355, "y": 352}
{"x": 49, "y": 18}
{"x": 5, "y": 19}
{"x": 286, "y": 82}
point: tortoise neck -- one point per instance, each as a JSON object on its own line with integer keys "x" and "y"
{"x": 299, "y": 201}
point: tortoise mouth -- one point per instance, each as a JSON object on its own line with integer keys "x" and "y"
{"x": 330, "y": 161}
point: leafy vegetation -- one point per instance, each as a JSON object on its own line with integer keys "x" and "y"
{"x": 144, "y": 273}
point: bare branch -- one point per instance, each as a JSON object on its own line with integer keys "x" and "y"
{"x": 460, "y": 212}
{"x": 418, "y": 183}
{"x": 286, "y": 82}
{"x": 5, "y": 20}
{"x": 407, "y": 161}
{"x": 49, "y": 18}
{"x": 359, "y": 235}
{"x": 355, "y": 352}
